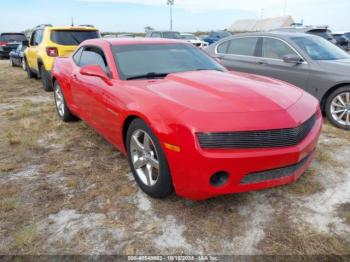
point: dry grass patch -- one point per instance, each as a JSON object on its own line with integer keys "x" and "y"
{"x": 307, "y": 184}
{"x": 285, "y": 237}
{"x": 25, "y": 237}
{"x": 343, "y": 211}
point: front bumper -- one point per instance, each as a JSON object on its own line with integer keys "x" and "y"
{"x": 191, "y": 170}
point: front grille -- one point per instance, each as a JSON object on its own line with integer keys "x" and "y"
{"x": 274, "y": 173}
{"x": 257, "y": 139}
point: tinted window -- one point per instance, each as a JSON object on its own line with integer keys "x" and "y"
{"x": 93, "y": 56}
{"x": 77, "y": 55}
{"x": 276, "y": 49}
{"x": 322, "y": 33}
{"x": 320, "y": 49}
{"x": 222, "y": 48}
{"x": 72, "y": 37}
{"x": 172, "y": 35}
{"x": 136, "y": 60}
{"x": 12, "y": 38}
{"x": 188, "y": 37}
{"x": 156, "y": 34}
{"x": 243, "y": 46}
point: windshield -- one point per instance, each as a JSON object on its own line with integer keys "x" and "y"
{"x": 171, "y": 35}
{"x": 157, "y": 59}
{"x": 188, "y": 37}
{"x": 320, "y": 49}
{"x": 12, "y": 38}
{"x": 72, "y": 37}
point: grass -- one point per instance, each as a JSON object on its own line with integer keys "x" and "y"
{"x": 343, "y": 211}
{"x": 8, "y": 204}
{"x": 25, "y": 236}
{"x": 307, "y": 184}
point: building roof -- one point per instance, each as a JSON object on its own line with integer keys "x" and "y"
{"x": 255, "y": 25}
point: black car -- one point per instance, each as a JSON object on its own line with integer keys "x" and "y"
{"x": 342, "y": 41}
{"x": 16, "y": 56}
{"x": 10, "y": 42}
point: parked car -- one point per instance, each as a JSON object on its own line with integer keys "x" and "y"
{"x": 342, "y": 41}
{"x": 184, "y": 121}
{"x": 126, "y": 35}
{"x": 196, "y": 41}
{"x": 10, "y": 42}
{"x": 163, "y": 34}
{"x": 48, "y": 42}
{"x": 347, "y": 35}
{"x": 215, "y": 36}
{"x": 17, "y": 56}
{"x": 304, "y": 60}
{"x": 323, "y": 32}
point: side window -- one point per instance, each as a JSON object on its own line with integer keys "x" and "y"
{"x": 77, "y": 55}
{"x": 156, "y": 34}
{"x": 222, "y": 48}
{"x": 32, "y": 39}
{"x": 275, "y": 49}
{"x": 94, "y": 56}
{"x": 38, "y": 37}
{"x": 243, "y": 46}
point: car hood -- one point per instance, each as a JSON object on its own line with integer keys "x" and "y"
{"x": 337, "y": 66}
{"x": 220, "y": 92}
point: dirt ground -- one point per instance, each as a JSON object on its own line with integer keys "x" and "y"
{"x": 65, "y": 190}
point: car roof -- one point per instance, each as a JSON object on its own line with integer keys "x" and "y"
{"x": 275, "y": 34}
{"x": 82, "y": 28}
{"x": 134, "y": 41}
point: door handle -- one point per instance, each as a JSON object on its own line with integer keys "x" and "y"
{"x": 262, "y": 62}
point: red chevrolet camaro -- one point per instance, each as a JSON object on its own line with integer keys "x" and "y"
{"x": 185, "y": 122}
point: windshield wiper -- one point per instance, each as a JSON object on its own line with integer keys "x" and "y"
{"x": 148, "y": 76}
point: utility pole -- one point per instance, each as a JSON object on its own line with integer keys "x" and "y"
{"x": 170, "y": 3}
{"x": 262, "y": 13}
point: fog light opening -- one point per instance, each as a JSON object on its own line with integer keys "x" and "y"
{"x": 219, "y": 179}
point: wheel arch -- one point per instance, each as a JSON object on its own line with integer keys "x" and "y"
{"x": 329, "y": 91}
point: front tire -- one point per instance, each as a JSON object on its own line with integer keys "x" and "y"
{"x": 338, "y": 107}
{"x": 45, "y": 79}
{"x": 62, "y": 109}
{"x": 147, "y": 161}
{"x": 12, "y": 63}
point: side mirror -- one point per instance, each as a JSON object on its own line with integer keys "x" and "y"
{"x": 25, "y": 43}
{"x": 292, "y": 59}
{"x": 97, "y": 71}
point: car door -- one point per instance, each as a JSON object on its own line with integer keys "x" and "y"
{"x": 239, "y": 54}
{"x": 272, "y": 64}
{"x": 33, "y": 50}
{"x": 87, "y": 91}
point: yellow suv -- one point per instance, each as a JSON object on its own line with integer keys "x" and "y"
{"x": 48, "y": 42}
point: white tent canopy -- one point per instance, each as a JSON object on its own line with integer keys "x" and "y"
{"x": 254, "y": 25}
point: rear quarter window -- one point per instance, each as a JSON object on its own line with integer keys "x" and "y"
{"x": 72, "y": 37}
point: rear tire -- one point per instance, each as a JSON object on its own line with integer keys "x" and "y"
{"x": 148, "y": 161}
{"x": 12, "y": 63}
{"x": 45, "y": 79}
{"x": 338, "y": 107}
{"x": 24, "y": 65}
{"x": 61, "y": 106}
{"x": 30, "y": 74}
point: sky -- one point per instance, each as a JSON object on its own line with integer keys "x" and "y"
{"x": 189, "y": 15}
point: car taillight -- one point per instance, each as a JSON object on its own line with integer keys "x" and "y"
{"x": 52, "y": 51}
{"x": 2, "y": 43}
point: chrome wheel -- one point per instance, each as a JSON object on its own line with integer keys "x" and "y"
{"x": 59, "y": 101}
{"x": 340, "y": 108}
{"x": 144, "y": 157}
